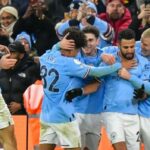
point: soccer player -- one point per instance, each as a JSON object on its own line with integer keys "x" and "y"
{"x": 7, "y": 137}
{"x": 144, "y": 104}
{"x": 88, "y": 106}
{"x": 58, "y": 69}
{"x": 120, "y": 111}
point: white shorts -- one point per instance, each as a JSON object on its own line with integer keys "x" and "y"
{"x": 5, "y": 116}
{"x": 123, "y": 127}
{"x": 144, "y": 129}
{"x": 66, "y": 135}
{"x": 90, "y": 126}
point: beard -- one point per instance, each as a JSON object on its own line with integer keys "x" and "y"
{"x": 114, "y": 16}
{"x": 128, "y": 56}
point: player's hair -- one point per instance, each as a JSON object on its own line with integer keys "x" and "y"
{"x": 77, "y": 35}
{"x": 92, "y": 30}
{"x": 146, "y": 33}
{"x": 127, "y": 34}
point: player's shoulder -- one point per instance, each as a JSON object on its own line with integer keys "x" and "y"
{"x": 72, "y": 61}
{"x": 142, "y": 61}
{"x": 110, "y": 49}
{"x": 141, "y": 58}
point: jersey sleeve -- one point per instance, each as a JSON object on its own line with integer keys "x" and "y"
{"x": 144, "y": 78}
{"x": 76, "y": 68}
{"x": 106, "y": 31}
{"x": 104, "y": 70}
{"x": 56, "y": 46}
{"x": 110, "y": 49}
{"x": 137, "y": 83}
{"x": 61, "y": 29}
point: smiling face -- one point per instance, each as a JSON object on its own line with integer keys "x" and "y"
{"x": 145, "y": 46}
{"x": 6, "y": 19}
{"x": 92, "y": 43}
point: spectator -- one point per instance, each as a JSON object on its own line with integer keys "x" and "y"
{"x": 144, "y": 16}
{"x": 117, "y": 16}
{"x": 20, "y": 5}
{"x": 14, "y": 81}
{"x": 8, "y": 18}
{"x": 25, "y": 39}
{"x": 4, "y": 3}
{"x": 141, "y": 21}
{"x": 37, "y": 24}
{"x": 100, "y": 6}
{"x": 84, "y": 17}
{"x": 55, "y": 11}
{"x": 7, "y": 136}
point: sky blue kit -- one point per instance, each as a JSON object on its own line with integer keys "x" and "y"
{"x": 58, "y": 73}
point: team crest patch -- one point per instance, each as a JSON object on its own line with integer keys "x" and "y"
{"x": 77, "y": 62}
{"x": 113, "y": 135}
{"x": 51, "y": 59}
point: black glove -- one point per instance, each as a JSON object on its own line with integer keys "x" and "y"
{"x": 139, "y": 93}
{"x": 73, "y": 93}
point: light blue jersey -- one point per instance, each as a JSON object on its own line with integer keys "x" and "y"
{"x": 118, "y": 95}
{"x": 110, "y": 49}
{"x": 91, "y": 103}
{"x": 57, "y": 74}
{"x": 138, "y": 47}
{"x": 144, "y": 106}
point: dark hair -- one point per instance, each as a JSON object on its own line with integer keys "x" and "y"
{"x": 146, "y": 2}
{"x": 77, "y": 35}
{"x": 127, "y": 34}
{"x": 91, "y": 29}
